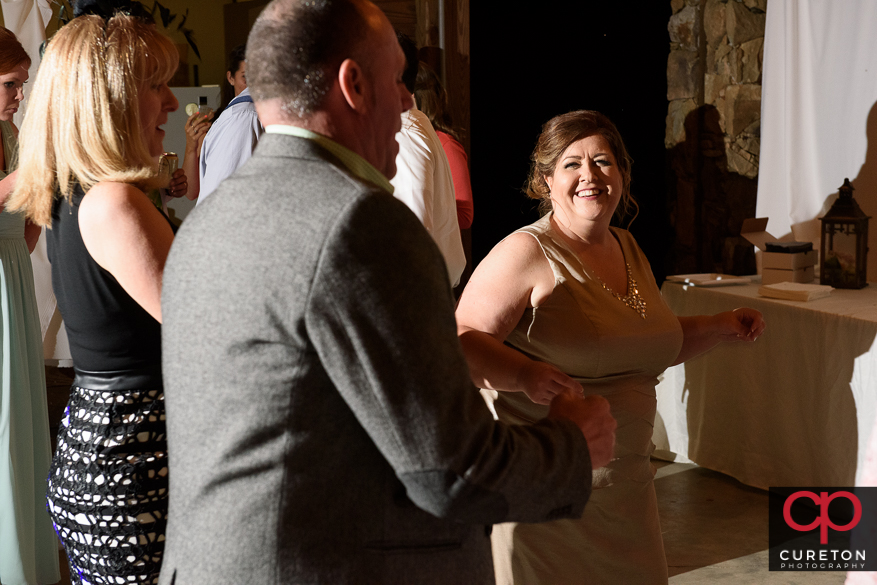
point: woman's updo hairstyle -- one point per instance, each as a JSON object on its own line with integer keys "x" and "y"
{"x": 557, "y": 135}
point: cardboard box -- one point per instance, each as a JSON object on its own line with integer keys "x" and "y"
{"x": 775, "y": 275}
{"x": 776, "y": 266}
{"x": 789, "y": 261}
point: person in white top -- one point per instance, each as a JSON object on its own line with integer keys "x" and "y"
{"x": 423, "y": 176}
{"x": 233, "y": 137}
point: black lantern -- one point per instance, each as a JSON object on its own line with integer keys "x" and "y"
{"x": 844, "y": 242}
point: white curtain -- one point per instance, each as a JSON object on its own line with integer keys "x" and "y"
{"x": 28, "y": 20}
{"x": 819, "y": 114}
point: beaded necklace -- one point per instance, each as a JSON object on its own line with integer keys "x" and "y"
{"x": 632, "y": 299}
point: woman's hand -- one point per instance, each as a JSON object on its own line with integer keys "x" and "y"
{"x": 541, "y": 382}
{"x": 196, "y": 129}
{"x": 703, "y": 332}
{"x": 743, "y": 324}
{"x": 179, "y": 185}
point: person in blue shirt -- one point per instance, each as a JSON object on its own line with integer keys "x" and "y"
{"x": 233, "y": 137}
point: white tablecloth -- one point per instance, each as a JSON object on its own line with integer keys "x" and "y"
{"x": 795, "y": 408}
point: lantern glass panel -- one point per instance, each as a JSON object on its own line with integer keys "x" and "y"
{"x": 840, "y": 257}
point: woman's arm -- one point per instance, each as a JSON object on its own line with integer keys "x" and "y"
{"x": 8, "y": 181}
{"x": 6, "y": 186}
{"x": 514, "y": 275}
{"x": 31, "y": 235}
{"x": 129, "y": 238}
{"x": 702, "y": 333}
{"x": 196, "y": 129}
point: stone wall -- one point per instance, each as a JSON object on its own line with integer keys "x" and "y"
{"x": 713, "y": 131}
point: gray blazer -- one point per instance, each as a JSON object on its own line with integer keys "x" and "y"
{"x": 322, "y": 426}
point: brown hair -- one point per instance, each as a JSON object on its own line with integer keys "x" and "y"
{"x": 557, "y": 135}
{"x": 432, "y": 99}
{"x": 83, "y": 121}
{"x": 12, "y": 54}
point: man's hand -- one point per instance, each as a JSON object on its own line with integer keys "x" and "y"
{"x": 591, "y": 414}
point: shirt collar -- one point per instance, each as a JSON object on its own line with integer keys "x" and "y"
{"x": 354, "y": 163}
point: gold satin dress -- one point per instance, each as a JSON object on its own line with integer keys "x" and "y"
{"x": 604, "y": 343}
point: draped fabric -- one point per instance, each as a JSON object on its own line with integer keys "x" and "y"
{"x": 819, "y": 114}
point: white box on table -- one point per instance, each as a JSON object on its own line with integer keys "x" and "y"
{"x": 789, "y": 261}
{"x": 778, "y": 267}
{"x": 775, "y": 275}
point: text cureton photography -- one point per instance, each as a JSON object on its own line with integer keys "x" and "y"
{"x": 823, "y": 529}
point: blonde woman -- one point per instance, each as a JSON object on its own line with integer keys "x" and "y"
{"x": 89, "y": 148}
{"x": 28, "y": 550}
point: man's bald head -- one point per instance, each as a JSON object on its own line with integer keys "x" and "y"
{"x": 296, "y": 46}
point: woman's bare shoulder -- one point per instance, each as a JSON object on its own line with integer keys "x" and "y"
{"x": 109, "y": 199}
{"x": 519, "y": 249}
{"x": 513, "y": 276}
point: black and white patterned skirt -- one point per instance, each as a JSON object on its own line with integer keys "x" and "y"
{"x": 108, "y": 485}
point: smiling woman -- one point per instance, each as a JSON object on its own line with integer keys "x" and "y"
{"x": 86, "y": 158}
{"x": 571, "y": 302}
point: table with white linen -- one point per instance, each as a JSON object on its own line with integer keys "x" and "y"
{"x": 795, "y": 408}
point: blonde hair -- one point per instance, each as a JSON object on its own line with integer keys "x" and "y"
{"x": 82, "y": 124}
{"x": 12, "y": 54}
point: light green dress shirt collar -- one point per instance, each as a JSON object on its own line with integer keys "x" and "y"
{"x": 354, "y": 163}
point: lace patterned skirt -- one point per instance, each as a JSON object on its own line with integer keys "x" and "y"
{"x": 108, "y": 485}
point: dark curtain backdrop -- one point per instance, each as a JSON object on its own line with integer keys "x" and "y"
{"x": 552, "y": 57}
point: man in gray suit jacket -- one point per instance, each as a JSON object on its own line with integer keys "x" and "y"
{"x": 322, "y": 426}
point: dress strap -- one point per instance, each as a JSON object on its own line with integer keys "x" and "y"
{"x": 539, "y": 231}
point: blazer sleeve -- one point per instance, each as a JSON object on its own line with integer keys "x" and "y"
{"x": 380, "y": 316}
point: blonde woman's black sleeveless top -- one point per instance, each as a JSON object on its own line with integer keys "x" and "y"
{"x": 111, "y": 336}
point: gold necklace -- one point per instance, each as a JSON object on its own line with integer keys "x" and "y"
{"x": 632, "y": 299}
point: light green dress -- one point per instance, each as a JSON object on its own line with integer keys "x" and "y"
{"x": 28, "y": 546}
{"x": 605, "y": 344}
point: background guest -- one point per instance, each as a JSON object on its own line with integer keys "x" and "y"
{"x": 236, "y": 75}
{"x": 570, "y": 299}
{"x": 84, "y": 171}
{"x": 28, "y": 547}
{"x": 233, "y": 137}
{"x": 423, "y": 178}
{"x": 432, "y": 99}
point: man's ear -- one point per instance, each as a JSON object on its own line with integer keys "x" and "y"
{"x": 351, "y": 79}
